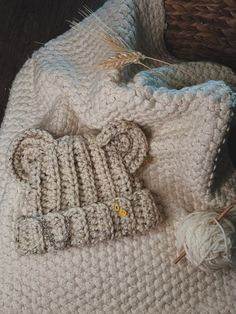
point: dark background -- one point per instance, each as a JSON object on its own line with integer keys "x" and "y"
{"x": 196, "y": 30}
{"x": 27, "y": 24}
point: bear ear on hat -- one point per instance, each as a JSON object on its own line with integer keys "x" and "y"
{"x": 27, "y": 151}
{"x": 128, "y": 140}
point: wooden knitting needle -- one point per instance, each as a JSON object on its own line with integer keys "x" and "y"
{"x": 218, "y": 218}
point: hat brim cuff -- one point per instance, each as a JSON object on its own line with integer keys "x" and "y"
{"x": 88, "y": 225}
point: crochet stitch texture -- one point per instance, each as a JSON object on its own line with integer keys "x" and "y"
{"x": 187, "y": 124}
{"x": 76, "y": 184}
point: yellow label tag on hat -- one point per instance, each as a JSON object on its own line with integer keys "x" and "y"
{"x": 122, "y": 212}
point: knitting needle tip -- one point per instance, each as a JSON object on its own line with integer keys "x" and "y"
{"x": 182, "y": 255}
{"x": 218, "y": 218}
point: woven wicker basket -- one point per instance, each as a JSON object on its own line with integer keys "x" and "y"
{"x": 202, "y": 30}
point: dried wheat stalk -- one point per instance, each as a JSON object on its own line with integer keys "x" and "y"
{"x": 123, "y": 54}
{"x": 120, "y": 60}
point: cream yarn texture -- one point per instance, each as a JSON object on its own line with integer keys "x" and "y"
{"x": 61, "y": 119}
{"x": 208, "y": 244}
{"x": 186, "y": 127}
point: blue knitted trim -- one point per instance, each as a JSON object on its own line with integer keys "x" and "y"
{"x": 233, "y": 100}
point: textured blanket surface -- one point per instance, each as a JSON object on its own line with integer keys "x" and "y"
{"x": 187, "y": 116}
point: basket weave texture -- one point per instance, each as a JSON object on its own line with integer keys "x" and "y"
{"x": 202, "y": 30}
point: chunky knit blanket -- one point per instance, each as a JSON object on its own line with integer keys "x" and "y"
{"x": 187, "y": 112}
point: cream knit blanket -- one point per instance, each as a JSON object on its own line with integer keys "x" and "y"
{"x": 191, "y": 170}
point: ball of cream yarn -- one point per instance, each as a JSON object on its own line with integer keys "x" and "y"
{"x": 208, "y": 244}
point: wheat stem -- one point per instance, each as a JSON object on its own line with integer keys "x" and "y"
{"x": 157, "y": 60}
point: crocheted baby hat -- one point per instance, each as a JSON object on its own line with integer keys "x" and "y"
{"x": 81, "y": 189}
